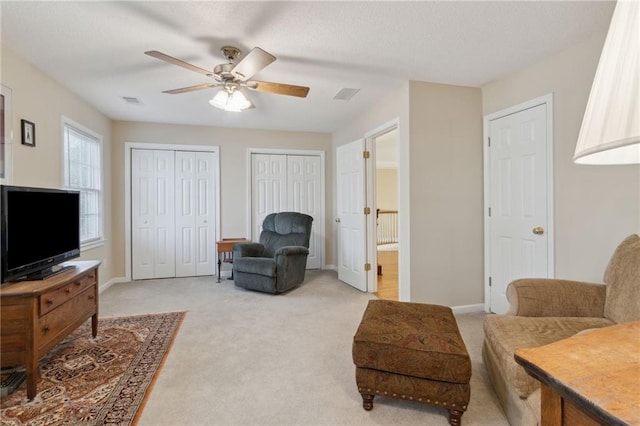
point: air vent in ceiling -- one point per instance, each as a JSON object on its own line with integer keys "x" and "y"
{"x": 345, "y": 94}
{"x": 131, "y": 100}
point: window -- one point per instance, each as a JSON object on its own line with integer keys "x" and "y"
{"x": 82, "y": 172}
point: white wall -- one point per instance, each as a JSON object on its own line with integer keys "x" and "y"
{"x": 233, "y": 145}
{"x": 595, "y": 206}
{"x": 43, "y": 101}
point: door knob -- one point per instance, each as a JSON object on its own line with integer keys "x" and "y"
{"x": 538, "y": 230}
{"x": 338, "y": 220}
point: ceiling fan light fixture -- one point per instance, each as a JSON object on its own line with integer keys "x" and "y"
{"x": 229, "y": 99}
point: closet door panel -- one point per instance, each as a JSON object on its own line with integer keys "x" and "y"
{"x": 142, "y": 218}
{"x": 304, "y": 196}
{"x": 164, "y": 215}
{"x": 268, "y": 188}
{"x": 152, "y": 193}
{"x": 205, "y": 213}
{"x": 185, "y": 214}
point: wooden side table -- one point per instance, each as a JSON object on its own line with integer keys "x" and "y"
{"x": 224, "y": 248}
{"x": 588, "y": 379}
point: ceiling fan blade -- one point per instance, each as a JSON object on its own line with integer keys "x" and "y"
{"x": 279, "y": 88}
{"x": 256, "y": 60}
{"x": 175, "y": 61}
{"x": 190, "y": 88}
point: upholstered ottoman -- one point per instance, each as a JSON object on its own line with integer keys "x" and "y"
{"x": 412, "y": 351}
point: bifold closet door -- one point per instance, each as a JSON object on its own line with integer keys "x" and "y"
{"x": 281, "y": 182}
{"x": 152, "y": 214}
{"x": 194, "y": 213}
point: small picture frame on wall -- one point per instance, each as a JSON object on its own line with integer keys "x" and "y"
{"x": 28, "y": 133}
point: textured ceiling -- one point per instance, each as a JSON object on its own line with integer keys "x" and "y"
{"x": 96, "y": 50}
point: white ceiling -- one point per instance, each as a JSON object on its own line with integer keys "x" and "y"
{"x": 96, "y": 50}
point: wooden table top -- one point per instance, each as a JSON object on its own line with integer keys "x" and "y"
{"x": 599, "y": 371}
{"x": 28, "y": 288}
{"x": 226, "y": 244}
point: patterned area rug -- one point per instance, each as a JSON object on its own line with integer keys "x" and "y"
{"x": 86, "y": 381}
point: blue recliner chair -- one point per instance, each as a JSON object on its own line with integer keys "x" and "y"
{"x": 278, "y": 262}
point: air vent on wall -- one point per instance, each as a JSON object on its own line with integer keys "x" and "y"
{"x": 345, "y": 94}
{"x": 131, "y": 100}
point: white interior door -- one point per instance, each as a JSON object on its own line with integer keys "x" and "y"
{"x": 152, "y": 214}
{"x": 351, "y": 218}
{"x": 518, "y": 200}
{"x": 194, "y": 214}
{"x": 304, "y": 196}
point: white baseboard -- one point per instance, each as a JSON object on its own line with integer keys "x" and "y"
{"x": 331, "y": 267}
{"x": 111, "y": 282}
{"x": 468, "y": 309}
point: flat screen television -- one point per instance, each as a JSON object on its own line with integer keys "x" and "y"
{"x": 39, "y": 229}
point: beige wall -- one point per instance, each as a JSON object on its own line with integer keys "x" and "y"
{"x": 440, "y": 188}
{"x": 41, "y": 100}
{"x": 595, "y": 206}
{"x": 387, "y": 189}
{"x": 233, "y": 145}
{"x": 446, "y": 194}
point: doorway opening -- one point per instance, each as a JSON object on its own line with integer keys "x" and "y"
{"x": 386, "y": 229}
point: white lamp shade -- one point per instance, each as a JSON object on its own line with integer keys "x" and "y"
{"x": 230, "y": 100}
{"x": 610, "y": 132}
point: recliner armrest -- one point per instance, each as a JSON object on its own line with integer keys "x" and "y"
{"x": 545, "y": 297}
{"x": 247, "y": 250}
{"x": 291, "y": 251}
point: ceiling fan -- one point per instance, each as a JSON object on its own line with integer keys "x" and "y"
{"x": 234, "y": 77}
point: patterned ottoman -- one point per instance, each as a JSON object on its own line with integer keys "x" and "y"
{"x": 412, "y": 351}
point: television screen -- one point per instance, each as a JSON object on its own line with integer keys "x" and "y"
{"x": 40, "y": 229}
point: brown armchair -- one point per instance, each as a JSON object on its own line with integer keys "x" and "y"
{"x": 543, "y": 311}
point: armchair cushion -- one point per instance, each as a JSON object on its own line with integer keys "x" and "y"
{"x": 506, "y": 333}
{"x": 544, "y": 297}
{"x": 256, "y": 265}
{"x": 622, "y": 277}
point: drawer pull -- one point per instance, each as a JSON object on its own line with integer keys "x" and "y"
{"x": 45, "y": 328}
{"x": 78, "y": 283}
{"x": 67, "y": 290}
{"x": 91, "y": 297}
{"x": 49, "y": 302}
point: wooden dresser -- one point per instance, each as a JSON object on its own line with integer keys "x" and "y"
{"x": 37, "y": 315}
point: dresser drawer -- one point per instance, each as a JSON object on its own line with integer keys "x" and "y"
{"x": 53, "y": 299}
{"x": 52, "y": 327}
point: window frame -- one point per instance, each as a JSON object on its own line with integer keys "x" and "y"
{"x": 83, "y": 130}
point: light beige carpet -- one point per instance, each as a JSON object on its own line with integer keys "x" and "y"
{"x": 247, "y": 358}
